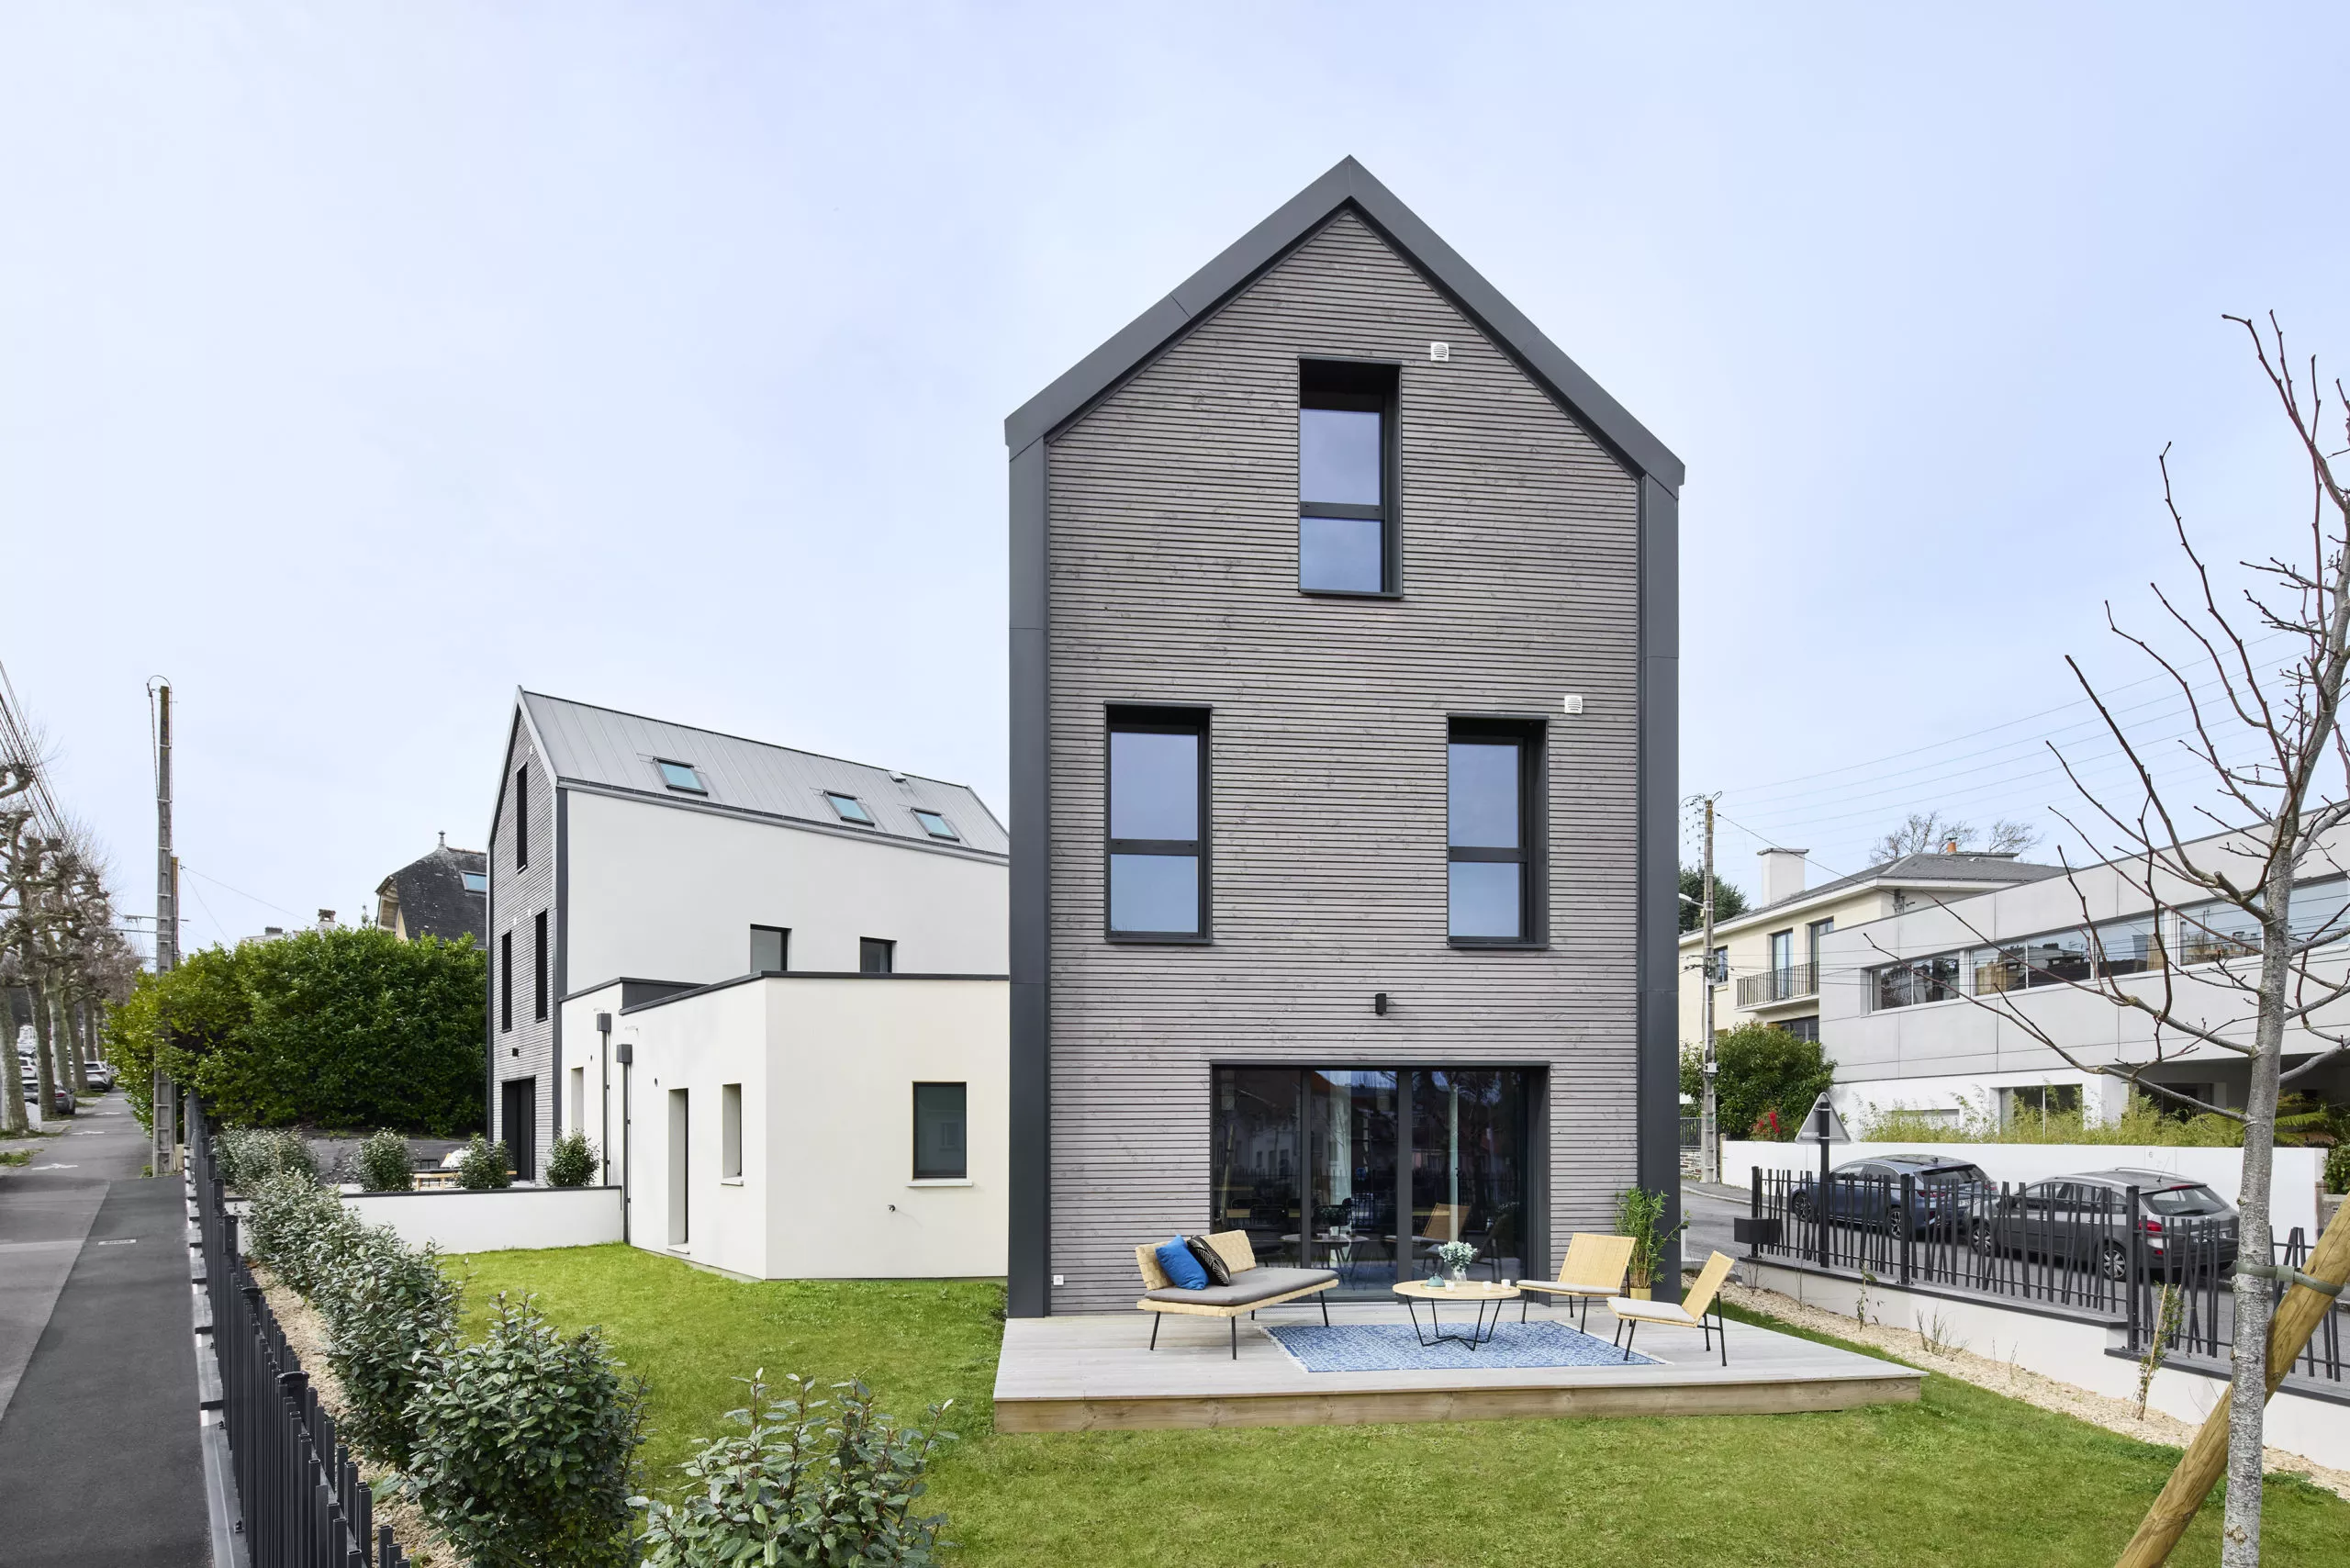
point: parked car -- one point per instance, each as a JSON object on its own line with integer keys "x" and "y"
{"x": 100, "y": 1075}
{"x": 1946, "y": 1193}
{"x": 2078, "y": 1221}
{"x": 60, "y": 1097}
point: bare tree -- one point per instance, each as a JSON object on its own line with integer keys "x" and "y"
{"x": 2219, "y": 872}
{"x": 1930, "y": 833}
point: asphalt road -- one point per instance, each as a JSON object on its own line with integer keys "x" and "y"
{"x": 1709, "y": 1210}
{"x": 99, "y": 1461}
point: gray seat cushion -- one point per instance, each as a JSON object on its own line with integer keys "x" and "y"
{"x": 1251, "y": 1285}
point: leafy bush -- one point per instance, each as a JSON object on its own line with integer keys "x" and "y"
{"x": 247, "y": 1157}
{"x": 1760, "y": 1071}
{"x": 525, "y": 1452}
{"x": 572, "y": 1161}
{"x": 2142, "y": 1123}
{"x": 2337, "y": 1168}
{"x": 300, "y": 1230}
{"x": 390, "y": 1312}
{"x": 802, "y": 1487}
{"x": 341, "y": 1028}
{"x": 483, "y": 1166}
{"x": 384, "y": 1165}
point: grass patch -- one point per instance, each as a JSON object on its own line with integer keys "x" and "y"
{"x": 16, "y": 1156}
{"x": 1964, "y": 1477}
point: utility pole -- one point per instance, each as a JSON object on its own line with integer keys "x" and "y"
{"x": 167, "y": 914}
{"x": 1710, "y": 1156}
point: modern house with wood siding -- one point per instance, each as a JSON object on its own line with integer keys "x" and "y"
{"x": 1343, "y": 707}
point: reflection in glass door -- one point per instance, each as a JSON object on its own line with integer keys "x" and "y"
{"x": 1254, "y": 1163}
{"x": 1468, "y": 1168}
{"x": 1353, "y": 1175}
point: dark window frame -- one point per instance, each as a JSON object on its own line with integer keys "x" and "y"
{"x": 506, "y": 982}
{"x": 1370, "y": 386}
{"x": 1533, "y": 853}
{"x": 833, "y": 797}
{"x": 699, "y": 786}
{"x": 1160, "y": 720}
{"x": 522, "y": 816}
{"x": 952, "y": 835}
{"x": 886, "y": 947}
{"x": 920, "y": 1175}
{"x": 538, "y": 967}
{"x": 784, "y": 934}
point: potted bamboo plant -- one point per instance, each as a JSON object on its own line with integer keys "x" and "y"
{"x": 1640, "y": 1215}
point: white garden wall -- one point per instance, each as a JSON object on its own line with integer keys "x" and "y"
{"x": 2298, "y": 1170}
{"x": 2065, "y": 1348}
{"x": 502, "y": 1219}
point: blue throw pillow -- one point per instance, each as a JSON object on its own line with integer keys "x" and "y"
{"x": 1182, "y": 1268}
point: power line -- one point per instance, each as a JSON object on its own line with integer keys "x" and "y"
{"x": 239, "y": 891}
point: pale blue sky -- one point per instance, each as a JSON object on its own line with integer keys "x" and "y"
{"x": 358, "y": 362}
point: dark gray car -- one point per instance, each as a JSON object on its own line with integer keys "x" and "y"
{"x": 2184, "y": 1226}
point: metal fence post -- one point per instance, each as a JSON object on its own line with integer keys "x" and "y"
{"x": 1909, "y": 1221}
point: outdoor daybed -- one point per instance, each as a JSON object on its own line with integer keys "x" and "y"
{"x": 1251, "y": 1286}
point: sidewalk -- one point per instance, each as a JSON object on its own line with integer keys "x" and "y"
{"x": 99, "y": 1459}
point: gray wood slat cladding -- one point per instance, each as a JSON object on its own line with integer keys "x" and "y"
{"x": 515, "y": 897}
{"x": 1172, "y": 572}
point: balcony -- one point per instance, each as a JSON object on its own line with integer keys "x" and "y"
{"x": 1778, "y": 985}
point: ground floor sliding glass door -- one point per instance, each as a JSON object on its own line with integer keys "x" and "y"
{"x": 1368, "y": 1170}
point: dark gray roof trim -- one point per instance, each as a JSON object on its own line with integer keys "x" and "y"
{"x": 1349, "y": 184}
{"x": 627, "y": 1007}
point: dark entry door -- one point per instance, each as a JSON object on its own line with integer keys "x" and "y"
{"x": 517, "y": 1122}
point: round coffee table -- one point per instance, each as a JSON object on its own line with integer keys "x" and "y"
{"x": 1480, "y": 1291}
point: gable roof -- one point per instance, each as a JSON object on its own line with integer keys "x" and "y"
{"x": 432, "y": 897}
{"x": 618, "y": 751}
{"x": 1981, "y": 873}
{"x": 1348, "y": 185}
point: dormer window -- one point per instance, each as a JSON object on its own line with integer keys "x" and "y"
{"x": 849, "y": 809}
{"x": 476, "y": 882}
{"x": 937, "y": 826}
{"x": 681, "y": 776}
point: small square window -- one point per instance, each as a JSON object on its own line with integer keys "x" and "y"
{"x": 476, "y": 882}
{"x": 681, "y": 776}
{"x": 849, "y": 809}
{"x": 876, "y": 955}
{"x": 770, "y": 949}
{"x": 937, "y": 825}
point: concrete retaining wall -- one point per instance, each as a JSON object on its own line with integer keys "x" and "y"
{"x": 497, "y": 1220}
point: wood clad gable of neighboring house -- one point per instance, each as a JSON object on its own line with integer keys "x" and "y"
{"x": 519, "y": 895}
{"x": 1154, "y": 542}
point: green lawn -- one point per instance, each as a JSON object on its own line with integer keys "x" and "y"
{"x": 1962, "y": 1477}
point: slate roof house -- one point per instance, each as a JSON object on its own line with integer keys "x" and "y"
{"x": 1343, "y": 713}
{"x": 445, "y": 894}
{"x": 782, "y": 936}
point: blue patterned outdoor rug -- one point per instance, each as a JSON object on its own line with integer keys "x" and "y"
{"x": 1382, "y": 1346}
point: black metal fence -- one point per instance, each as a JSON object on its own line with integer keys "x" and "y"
{"x": 302, "y": 1501}
{"x": 2097, "y": 1251}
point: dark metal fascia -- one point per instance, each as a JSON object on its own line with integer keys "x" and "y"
{"x": 1656, "y": 861}
{"x": 561, "y": 960}
{"x": 731, "y": 981}
{"x": 1347, "y": 185}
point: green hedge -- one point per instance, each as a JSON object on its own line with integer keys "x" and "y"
{"x": 337, "y": 1029}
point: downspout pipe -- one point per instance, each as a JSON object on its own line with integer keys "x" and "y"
{"x": 626, "y": 1051}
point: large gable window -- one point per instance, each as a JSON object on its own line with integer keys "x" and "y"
{"x": 1158, "y": 840}
{"x": 1346, "y": 478}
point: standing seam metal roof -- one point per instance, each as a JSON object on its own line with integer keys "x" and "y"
{"x": 603, "y": 746}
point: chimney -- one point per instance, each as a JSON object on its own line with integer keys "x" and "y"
{"x": 444, "y": 838}
{"x": 1782, "y": 873}
{"x": 326, "y": 920}
{"x": 1950, "y": 846}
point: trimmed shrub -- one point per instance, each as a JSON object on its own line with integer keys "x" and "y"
{"x": 2337, "y": 1168}
{"x": 384, "y": 1165}
{"x": 299, "y": 1229}
{"x": 389, "y": 1312}
{"x": 801, "y": 1486}
{"x": 483, "y": 1166}
{"x": 525, "y": 1453}
{"x": 247, "y": 1157}
{"x": 572, "y": 1161}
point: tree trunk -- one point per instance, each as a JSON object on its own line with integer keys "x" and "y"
{"x": 2248, "y": 1388}
{"x": 13, "y": 1118}
{"x": 77, "y": 1046}
{"x": 45, "y": 1077}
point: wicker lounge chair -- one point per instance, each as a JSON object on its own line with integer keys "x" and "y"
{"x": 1689, "y": 1312}
{"x": 1251, "y": 1287}
{"x": 1593, "y": 1269}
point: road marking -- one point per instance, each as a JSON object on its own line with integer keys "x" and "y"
{"x": 52, "y": 1168}
{"x": 124, "y": 1241}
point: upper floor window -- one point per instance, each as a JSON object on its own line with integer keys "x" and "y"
{"x": 876, "y": 955}
{"x": 681, "y": 776}
{"x": 849, "y": 808}
{"x": 770, "y": 949}
{"x": 1158, "y": 839}
{"x": 476, "y": 882}
{"x": 1346, "y": 477}
{"x": 936, "y": 825}
{"x": 521, "y": 817}
{"x": 1491, "y": 784}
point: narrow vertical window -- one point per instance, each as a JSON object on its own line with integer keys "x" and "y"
{"x": 505, "y": 983}
{"x": 941, "y": 1149}
{"x": 680, "y": 1127}
{"x": 1491, "y": 782}
{"x": 539, "y": 965}
{"x": 770, "y": 949}
{"x": 1157, "y": 841}
{"x": 521, "y": 817}
{"x": 579, "y": 1099}
{"x": 729, "y": 1130}
{"x": 875, "y": 956}
{"x": 1346, "y": 478}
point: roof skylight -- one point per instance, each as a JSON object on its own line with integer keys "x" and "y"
{"x": 937, "y": 825}
{"x": 849, "y": 809}
{"x": 681, "y": 776}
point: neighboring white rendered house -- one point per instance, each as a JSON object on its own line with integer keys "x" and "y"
{"x": 1909, "y": 1004}
{"x": 769, "y": 986}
